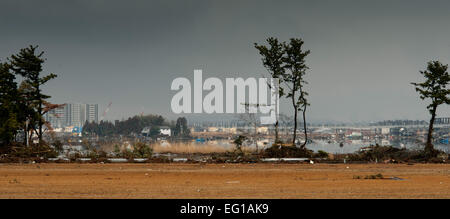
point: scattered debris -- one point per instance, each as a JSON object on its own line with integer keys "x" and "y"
{"x": 14, "y": 181}
{"x": 84, "y": 159}
{"x": 118, "y": 160}
{"x": 179, "y": 159}
{"x": 59, "y": 159}
{"x": 377, "y": 176}
{"x": 396, "y": 178}
{"x": 140, "y": 160}
{"x": 285, "y": 159}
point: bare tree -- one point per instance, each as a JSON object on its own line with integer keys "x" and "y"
{"x": 252, "y": 120}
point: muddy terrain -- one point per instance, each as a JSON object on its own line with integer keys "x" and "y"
{"x": 224, "y": 181}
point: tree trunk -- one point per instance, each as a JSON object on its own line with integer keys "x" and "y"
{"x": 40, "y": 125}
{"x": 25, "y": 133}
{"x": 295, "y": 113}
{"x": 295, "y": 126}
{"x": 304, "y": 126}
{"x": 39, "y": 117}
{"x": 429, "y": 145}
{"x": 256, "y": 137}
{"x": 277, "y": 138}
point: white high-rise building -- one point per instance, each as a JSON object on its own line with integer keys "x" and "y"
{"x": 72, "y": 114}
{"x": 77, "y": 114}
{"x": 92, "y": 112}
{"x": 57, "y": 117}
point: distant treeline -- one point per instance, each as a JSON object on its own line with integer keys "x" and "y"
{"x": 399, "y": 122}
{"x": 132, "y": 125}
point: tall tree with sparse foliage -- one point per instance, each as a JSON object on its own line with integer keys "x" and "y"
{"x": 435, "y": 88}
{"x": 272, "y": 59}
{"x": 295, "y": 77}
{"x": 28, "y": 63}
{"x": 286, "y": 61}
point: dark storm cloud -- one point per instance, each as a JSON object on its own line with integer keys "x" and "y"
{"x": 364, "y": 53}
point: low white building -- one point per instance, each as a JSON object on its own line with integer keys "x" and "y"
{"x": 213, "y": 129}
{"x": 232, "y": 130}
{"x": 356, "y": 134}
{"x": 263, "y": 130}
{"x": 146, "y": 131}
{"x": 385, "y": 131}
{"x": 164, "y": 130}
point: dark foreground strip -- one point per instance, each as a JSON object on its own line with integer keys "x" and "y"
{"x": 256, "y": 208}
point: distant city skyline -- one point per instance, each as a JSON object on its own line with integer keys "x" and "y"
{"x": 364, "y": 54}
{"x": 73, "y": 114}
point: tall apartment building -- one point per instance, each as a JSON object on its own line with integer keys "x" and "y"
{"x": 92, "y": 112}
{"x": 77, "y": 114}
{"x": 72, "y": 114}
{"x": 57, "y": 117}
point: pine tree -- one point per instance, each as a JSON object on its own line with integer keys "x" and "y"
{"x": 435, "y": 88}
{"x": 286, "y": 62}
{"x": 272, "y": 59}
{"x": 28, "y": 63}
{"x": 9, "y": 123}
{"x": 295, "y": 76}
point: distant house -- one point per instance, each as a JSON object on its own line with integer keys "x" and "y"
{"x": 232, "y": 130}
{"x": 197, "y": 129}
{"x": 146, "y": 131}
{"x": 213, "y": 129}
{"x": 263, "y": 130}
{"x": 165, "y": 130}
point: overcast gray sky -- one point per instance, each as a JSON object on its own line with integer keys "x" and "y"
{"x": 363, "y": 56}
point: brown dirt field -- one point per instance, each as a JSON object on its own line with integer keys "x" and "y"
{"x": 223, "y": 181}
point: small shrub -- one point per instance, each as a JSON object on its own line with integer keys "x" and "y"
{"x": 102, "y": 154}
{"x": 92, "y": 154}
{"x": 142, "y": 150}
{"x": 58, "y": 145}
{"x": 238, "y": 143}
{"x": 377, "y": 176}
{"x": 127, "y": 154}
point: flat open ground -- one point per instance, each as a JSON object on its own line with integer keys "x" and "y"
{"x": 223, "y": 181}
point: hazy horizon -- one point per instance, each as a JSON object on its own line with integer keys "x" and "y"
{"x": 364, "y": 54}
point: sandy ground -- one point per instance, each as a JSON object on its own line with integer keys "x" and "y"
{"x": 223, "y": 181}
